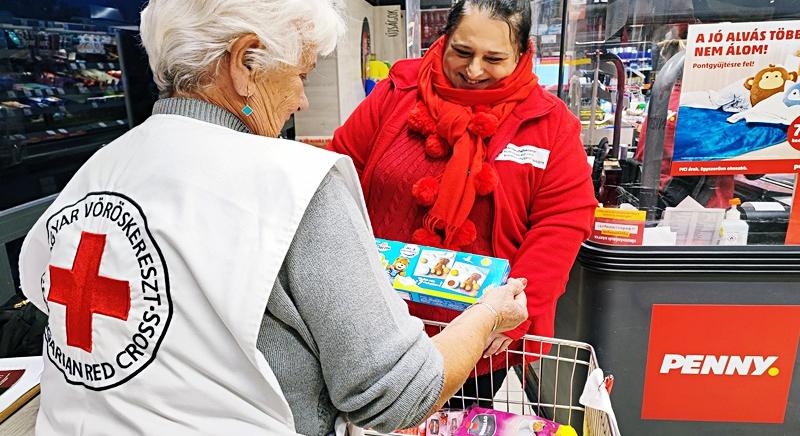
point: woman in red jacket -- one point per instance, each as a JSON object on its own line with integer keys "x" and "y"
{"x": 463, "y": 149}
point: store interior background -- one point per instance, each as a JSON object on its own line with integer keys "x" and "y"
{"x": 569, "y": 37}
{"x": 612, "y": 288}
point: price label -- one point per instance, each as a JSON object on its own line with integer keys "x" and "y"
{"x": 102, "y": 124}
{"x": 793, "y": 135}
{"x": 50, "y": 132}
{"x": 26, "y": 92}
{"x": 94, "y": 105}
{"x": 62, "y": 109}
{"x": 12, "y": 94}
{"x": 101, "y": 66}
{"x": 73, "y": 67}
{"x": 38, "y": 92}
{"x": 63, "y": 131}
{"x": 48, "y": 91}
{"x": 82, "y": 90}
{"x": 120, "y": 122}
{"x": 60, "y": 91}
{"x": 27, "y": 112}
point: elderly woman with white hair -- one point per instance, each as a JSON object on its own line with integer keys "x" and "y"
{"x": 202, "y": 276}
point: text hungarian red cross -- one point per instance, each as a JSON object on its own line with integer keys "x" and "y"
{"x": 85, "y": 292}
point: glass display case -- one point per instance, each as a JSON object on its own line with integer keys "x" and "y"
{"x": 615, "y": 54}
{"x": 62, "y": 96}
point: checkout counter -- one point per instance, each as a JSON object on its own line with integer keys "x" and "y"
{"x": 676, "y": 321}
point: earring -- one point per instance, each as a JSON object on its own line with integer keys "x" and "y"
{"x": 247, "y": 110}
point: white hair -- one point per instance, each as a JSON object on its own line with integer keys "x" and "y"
{"x": 184, "y": 39}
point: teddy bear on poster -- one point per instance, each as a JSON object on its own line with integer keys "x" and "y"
{"x": 792, "y": 95}
{"x": 768, "y": 82}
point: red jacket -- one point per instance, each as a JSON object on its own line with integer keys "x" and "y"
{"x": 541, "y": 216}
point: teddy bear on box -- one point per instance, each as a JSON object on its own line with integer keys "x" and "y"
{"x": 441, "y": 269}
{"x": 471, "y": 285}
{"x": 398, "y": 267}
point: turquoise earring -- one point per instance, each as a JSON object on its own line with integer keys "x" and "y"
{"x": 247, "y": 110}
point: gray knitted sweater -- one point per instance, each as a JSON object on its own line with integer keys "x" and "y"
{"x": 337, "y": 337}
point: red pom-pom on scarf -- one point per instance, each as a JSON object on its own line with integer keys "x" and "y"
{"x": 425, "y": 191}
{"x": 435, "y": 147}
{"x": 423, "y": 236}
{"x": 420, "y": 120}
{"x": 483, "y": 124}
{"x": 465, "y": 235}
{"x": 486, "y": 180}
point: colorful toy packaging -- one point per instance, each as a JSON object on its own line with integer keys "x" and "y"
{"x": 489, "y": 422}
{"x": 439, "y": 277}
{"x": 441, "y": 423}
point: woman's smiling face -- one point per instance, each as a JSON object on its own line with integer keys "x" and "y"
{"x": 480, "y": 52}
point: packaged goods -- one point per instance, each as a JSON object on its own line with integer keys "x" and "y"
{"x": 489, "y": 422}
{"x": 439, "y": 277}
{"x": 442, "y": 423}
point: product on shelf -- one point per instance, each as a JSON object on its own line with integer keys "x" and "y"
{"x": 58, "y": 81}
{"x": 440, "y": 277}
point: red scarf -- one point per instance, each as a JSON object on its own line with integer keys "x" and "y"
{"x": 460, "y": 120}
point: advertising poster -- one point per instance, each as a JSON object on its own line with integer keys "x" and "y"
{"x": 740, "y": 100}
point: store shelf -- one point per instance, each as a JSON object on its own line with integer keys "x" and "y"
{"x": 65, "y": 107}
{"x": 66, "y": 67}
{"x": 48, "y": 144}
{"x": 82, "y": 91}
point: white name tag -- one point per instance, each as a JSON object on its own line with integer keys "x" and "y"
{"x": 526, "y": 154}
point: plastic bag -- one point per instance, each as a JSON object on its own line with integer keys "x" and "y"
{"x": 21, "y": 328}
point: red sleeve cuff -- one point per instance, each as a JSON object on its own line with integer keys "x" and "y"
{"x": 520, "y": 331}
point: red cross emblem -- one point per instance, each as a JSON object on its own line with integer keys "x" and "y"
{"x": 85, "y": 292}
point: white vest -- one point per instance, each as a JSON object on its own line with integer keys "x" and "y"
{"x": 155, "y": 265}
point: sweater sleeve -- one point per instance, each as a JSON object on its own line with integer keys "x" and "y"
{"x": 379, "y": 366}
{"x": 562, "y": 212}
{"x": 355, "y": 137}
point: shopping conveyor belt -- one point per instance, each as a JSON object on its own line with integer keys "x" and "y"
{"x": 755, "y": 259}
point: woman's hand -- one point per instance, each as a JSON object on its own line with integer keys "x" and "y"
{"x": 464, "y": 339}
{"x": 509, "y": 302}
{"x": 497, "y": 343}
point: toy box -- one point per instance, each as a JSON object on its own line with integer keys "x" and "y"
{"x": 439, "y": 277}
{"x": 442, "y": 423}
{"x": 489, "y": 422}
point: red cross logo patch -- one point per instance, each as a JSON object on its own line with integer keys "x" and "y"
{"x": 85, "y": 292}
{"x": 107, "y": 291}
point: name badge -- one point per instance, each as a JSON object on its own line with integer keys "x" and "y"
{"x": 526, "y": 154}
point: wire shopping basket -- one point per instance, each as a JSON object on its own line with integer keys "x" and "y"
{"x": 549, "y": 388}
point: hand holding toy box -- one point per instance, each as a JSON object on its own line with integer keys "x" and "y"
{"x": 439, "y": 277}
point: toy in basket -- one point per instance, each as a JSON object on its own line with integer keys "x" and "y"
{"x": 478, "y": 421}
{"x": 489, "y": 422}
{"x": 439, "y": 277}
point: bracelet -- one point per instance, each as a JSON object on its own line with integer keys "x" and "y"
{"x": 493, "y": 310}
